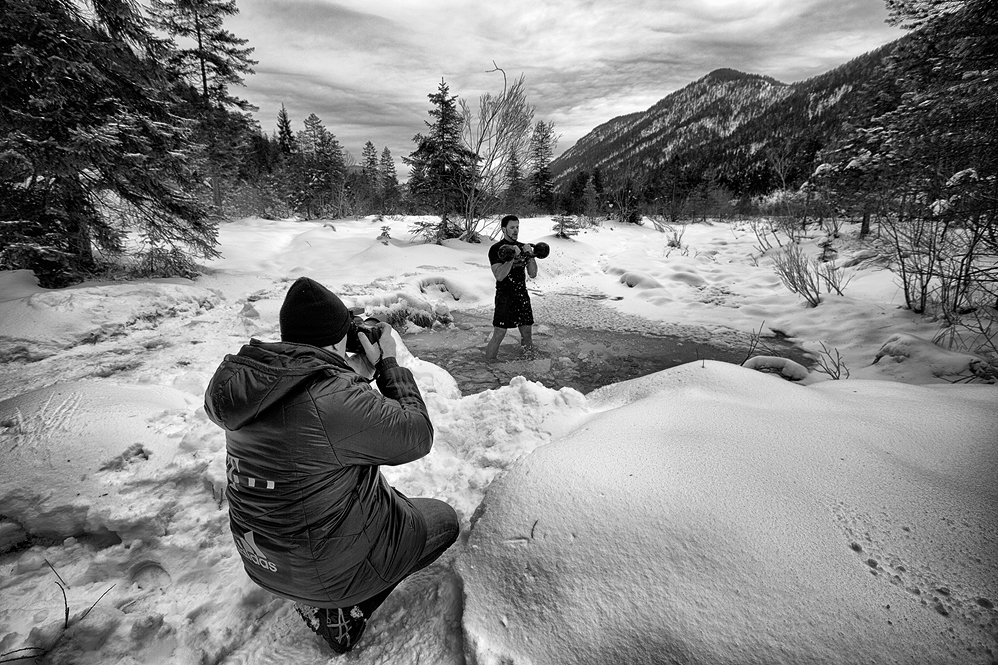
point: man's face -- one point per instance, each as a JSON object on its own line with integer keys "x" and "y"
{"x": 512, "y": 229}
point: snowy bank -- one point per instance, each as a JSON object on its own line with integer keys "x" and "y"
{"x": 712, "y": 514}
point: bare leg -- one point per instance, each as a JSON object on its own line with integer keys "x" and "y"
{"x": 492, "y": 348}
{"x": 527, "y": 337}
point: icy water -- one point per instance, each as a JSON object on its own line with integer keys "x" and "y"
{"x": 576, "y": 356}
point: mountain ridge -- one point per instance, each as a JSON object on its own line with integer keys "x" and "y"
{"x": 729, "y": 123}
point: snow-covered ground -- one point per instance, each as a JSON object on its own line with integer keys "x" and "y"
{"x": 708, "y": 513}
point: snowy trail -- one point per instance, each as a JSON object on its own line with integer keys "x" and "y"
{"x": 162, "y": 349}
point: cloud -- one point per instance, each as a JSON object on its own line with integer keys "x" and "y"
{"x": 366, "y": 66}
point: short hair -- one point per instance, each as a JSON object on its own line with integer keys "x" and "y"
{"x": 507, "y": 219}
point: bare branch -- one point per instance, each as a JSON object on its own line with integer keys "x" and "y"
{"x": 84, "y": 615}
{"x": 56, "y": 572}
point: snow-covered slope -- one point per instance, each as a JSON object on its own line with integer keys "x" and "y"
{"x": 712, "y": 514}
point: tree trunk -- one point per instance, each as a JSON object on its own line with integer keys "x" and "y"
{"x": 84, "y": 250}
{"x": 80, "y": 242}
{"x": 216, "y": 193}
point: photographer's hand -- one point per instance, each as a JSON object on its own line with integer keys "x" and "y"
{"x": 384, "y": 348}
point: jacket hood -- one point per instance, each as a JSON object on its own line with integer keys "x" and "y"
{"x": 259, "y": 376}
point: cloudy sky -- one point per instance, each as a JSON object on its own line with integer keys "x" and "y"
{"x": 365, "y": 67}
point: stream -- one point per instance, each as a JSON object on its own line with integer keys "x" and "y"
{"x": 572, "y": 355}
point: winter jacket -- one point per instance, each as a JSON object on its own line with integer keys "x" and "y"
{"x": 312, "y": 516}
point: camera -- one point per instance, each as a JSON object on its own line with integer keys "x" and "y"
{"x": 539, "y": 251}
{"x": 369, "y": 327}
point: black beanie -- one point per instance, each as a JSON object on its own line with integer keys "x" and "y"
{"x": 312, "y": 314}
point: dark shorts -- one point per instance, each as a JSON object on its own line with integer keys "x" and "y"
{"x": 513, "y": 310}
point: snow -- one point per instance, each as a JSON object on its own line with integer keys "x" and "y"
{"x": 706, "y": 513}
{"x": 720, "y": 532}
{"x": 788, "y": 368}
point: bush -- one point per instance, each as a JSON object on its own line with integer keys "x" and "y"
{"x": 436, "y": 231}
{"x": 830, "y": 362}
{"x": 52, "y": 266}
{"x": 799, "y": 274}
{"x": 565, "y": 226}
{"x": 805, "y": 277}
{"x": 164, "y": 262}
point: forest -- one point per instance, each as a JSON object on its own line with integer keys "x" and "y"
{"x": 123, "y": 146}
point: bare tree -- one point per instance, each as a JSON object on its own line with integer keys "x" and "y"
{"x": 780, "y": 159}
{"x": 498, "y": 134}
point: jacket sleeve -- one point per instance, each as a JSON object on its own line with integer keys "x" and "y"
{"x": 391, "y": 427}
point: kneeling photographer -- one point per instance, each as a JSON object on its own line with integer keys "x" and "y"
{"x": 311, "y": 514}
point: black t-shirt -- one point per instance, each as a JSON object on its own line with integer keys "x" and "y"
{"x": 517, "y": 277}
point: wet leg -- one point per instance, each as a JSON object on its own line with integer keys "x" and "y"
{"x": 492, "y": 348}
{"x": 526, "y": 339}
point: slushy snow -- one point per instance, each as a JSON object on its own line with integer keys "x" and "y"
{"x": 707, "y": 513}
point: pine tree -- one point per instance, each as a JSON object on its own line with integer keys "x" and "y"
{"x": 285, "y": 135}
{"x": 516, "y": 196}
{"x": 319, "y": 173}
{"x": 391, "y": 194}
{"x": 90, "y": 140}
{"x": 371, "y": 192}
{"x": 572, "y": 199}
{"x": 216, "y": 60}
{"x": 441, "y": 167}
{"x": 542, "y": 145}
{"x": 591, "y": 199}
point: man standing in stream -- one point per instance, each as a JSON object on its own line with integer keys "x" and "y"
{"x": 511, "y": 267}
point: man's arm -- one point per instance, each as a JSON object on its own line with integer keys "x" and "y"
{"x": 532, "y": 267}
{"x": 501, "y": 270}
{"x": 390, "y": 427}
{"x": 368, "y": 427}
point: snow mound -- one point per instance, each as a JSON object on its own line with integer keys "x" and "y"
{"x": 749, "y": 520}
{"x": 633, "y": 278}
{"x": 508, "y": 423}
{"x": 789, "y": 369}
{"x": 921, "y": 358}
{"x": 688, "y": 278}
{"x": 85, "y": 458}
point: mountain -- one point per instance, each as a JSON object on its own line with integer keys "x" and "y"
{"x": 747, "y": 132}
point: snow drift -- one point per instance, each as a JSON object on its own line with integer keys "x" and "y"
{"x": 712, "y": 514}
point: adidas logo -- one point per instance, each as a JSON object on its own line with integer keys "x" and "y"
{"x": 250, "y": 551}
